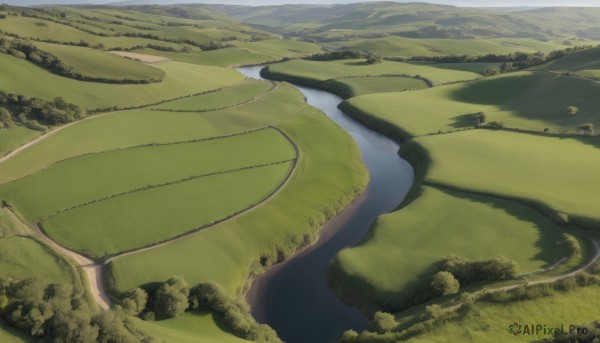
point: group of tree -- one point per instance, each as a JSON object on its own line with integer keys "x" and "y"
{"x": 467, "y": 272}
{"x": 36, "y": 112}
{"x": 336, "y": 55}
{"x": 55, "y": 313}
{"x": 174, "y": 297}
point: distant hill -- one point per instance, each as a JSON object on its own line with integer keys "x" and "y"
{"x": 419, "y": 20}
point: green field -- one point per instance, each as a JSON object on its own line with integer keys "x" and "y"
{"x": 355, "y": 86}
{"x": 244, "y": 53}
{"x": 182, "y": 79}
{"x": 524, "y": 100}
{"x": 43, "y": 194}
{"x": 100, "y": 64}
{"x": 406, "y": 47}
{"x": 218, "y": 100}
{"x": 142, "y": 218}
{"x": 523, "y": 166}
{"x": 414, "y": 239}
{"x": 18, "y": 250}
{"x": 322, "y": 71}
{"x": 190, "y": 328}
{"x": 14, "y": 137}
{"x": 489, "y": 322}
{"x": 322, "y": 184}
{"x": 585, "y": 63}
{"x": 9, "y": 334}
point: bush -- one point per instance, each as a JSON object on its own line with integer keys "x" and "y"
{"x": 572, "y": 110}
{"x": 444, "y": 283}
{"x": 171, "y": 299}
{"x": 382, "y": 322}
{"x": 496, "y": 124}
{"x": 134, "y": 301}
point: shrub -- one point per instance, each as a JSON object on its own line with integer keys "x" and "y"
{"x": 572, "y": 110}
{"x": 382, "y": 322}
{"x": 171, "y": 299}
{"x": 444, "y": 283}
{"x": 134, "y": 301}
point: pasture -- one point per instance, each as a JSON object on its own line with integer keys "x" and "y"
{"x": 585, "y": 64}
{"x": 43, "y": 194}
{"x": 182, "y": 80}
{"x": 14, "y": 137}
{"x": 142, "y": 218}
{"x": 558, "y": 173}
{"x": 524, "y": 100}
{"x": 225, "y": 98}
{"x": 100, "y": 64}
{"x": 355, "y": 86}
{"x": 401, "y": 253}
{"x": 324, "y": 182}
{"x": 317, "y": 71}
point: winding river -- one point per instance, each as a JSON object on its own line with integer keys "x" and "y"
{"x": 293, "y": 297}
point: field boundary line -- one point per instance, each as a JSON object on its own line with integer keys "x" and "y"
{"x": 148, "y": 145}
{"x": 169, "y": 183}
{"x": 100, "y": 113}
{"x": 110, "y": 258}
{"x": 258, "y": 97}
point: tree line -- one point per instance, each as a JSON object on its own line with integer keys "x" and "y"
{"x": 36, "y": 112}
{"x": 54, "y": 313}
{"x": 174, "y": 297}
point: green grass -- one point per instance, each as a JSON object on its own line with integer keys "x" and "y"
{"x": 323, "y": 183}
{"x": 524, "y": 100}
{"x": 244, "y": 53}
{"x": 14, "y": 137}
{"x": 182, "y": 79}
{"x": 105, "y": 132}
{"x": 367, "y": 85}
{"x": 557, "y": 172}
{"x": 22, "y": 257}
{"x": 489, "y": 322}
{"x": 9, "y": 334}
{"x": 437, "y": 223}
{"x": 189, "y": 328}
{"x": 322, "y": 71}
{"x": 224, "y": 98}
{"x": 44, "y": 193}
{"x": 142, "y": 218}
{"x": 100, "y": 64}
{"x": 585, "y": 63}
{"x": 406, "y": 47}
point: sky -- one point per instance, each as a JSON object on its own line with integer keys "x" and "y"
{"x": 470, "y": 3}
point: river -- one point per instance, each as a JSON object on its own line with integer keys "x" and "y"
{"x": 293, "y": 296}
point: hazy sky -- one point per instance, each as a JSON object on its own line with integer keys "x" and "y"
{"x": 479, "y": 3}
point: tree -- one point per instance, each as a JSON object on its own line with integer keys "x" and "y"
{"x": 383, "y": 322}
{"x": 373, "y": 59}
{"x": 134, "y": 301}
{"x": 444, "y": 283}
{"x": 6, "y": 120}
{"x": 584, "y": 128}
{"x": 479, "y": 118}
{"x": 171, "y": 299}
{"x": 572, "y": 110}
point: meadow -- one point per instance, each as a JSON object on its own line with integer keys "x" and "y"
{"x": 100, "y": 64}
{"x": 585, "y": 64}
{"x": 322, "y": 184}
{"x": 182, "y": 80}
{"x": 315, "y": 72}
{"x": 9, "y": 334}
{"x": 43, "y": 194}
{"x": 518, "y": 172}
{"x": 213, "y": 101}
{"x": 143, "y": 218}
{"x": 523, "y": 100}
{"x": 395, "y": 46}
{"x": 355, "y": 86}
{"x": 414, "y": 243}
{"x": 14, "y": 137}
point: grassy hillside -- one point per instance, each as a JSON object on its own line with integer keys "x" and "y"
{"x": 182, "y": 79}
{"x": 322, "y": 71}
{"x": 355, "y": 86}
{"x": 14, "y": 137}
{"x": 241, "y": 94}
{"x": 414, "y": 243}
{"x": 9, "y": 334}
{"x": 501, "y": 156}
{"x": 585, "y": 63}
{"x": 524, "y": 100}
{"x": 100, "y": 64}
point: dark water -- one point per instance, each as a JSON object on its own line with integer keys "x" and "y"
{"x": 293, "y": 297}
